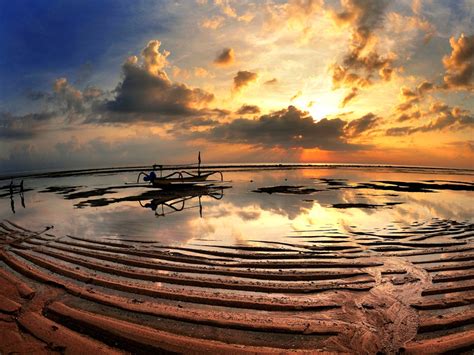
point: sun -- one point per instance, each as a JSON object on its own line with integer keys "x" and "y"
{"x": 319, "y": 106}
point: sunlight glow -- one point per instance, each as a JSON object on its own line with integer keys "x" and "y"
{"x": 319, "y": 106}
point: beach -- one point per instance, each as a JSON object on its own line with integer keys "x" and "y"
{"x": 335, "y": 259}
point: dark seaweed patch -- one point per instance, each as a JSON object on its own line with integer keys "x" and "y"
{"x": 284, "y": 189}
{"x": 416, "y": 186}
{"x": 364, "y": 205}
{"x": 157, "y": 196}
{"x": 63, "y": 190}
{"x": 98, "y": 192}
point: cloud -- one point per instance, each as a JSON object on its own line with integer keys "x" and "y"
{"x": 243, "y": 78}
{"x": 72, "y": 153}
{"x": 248, "y": 110}
{"x": 287, "y": 128}
{"x": 399, "y": 131}
{"x": 295, "y": 96}
{"x": 407, "y": 93}
{"x": 293, "y": 15}
{"x": 225, "y": 58}
{"x": 416, "y": 6}
{"x": 363, "y": 124}
{"x": 153, "y": 61}
{"x": 353, "y": 93}
{"x": 67, "y": 102}
{"x": 445, "y": 118}
{"x": 228, "y": 11}
{"x": 147, "y": 94}
{"x": 386, "y": 73}
{"x": 273, "y": 81}
{"x": 70, "y": 97}
{"x": 144, "y": 94}
{"x": 14, "y": 127}
{"x": 409, "y": 116}
{"x": 424, "y": 87}
{"x": 342, "y": 76}
{"x": 409, "y": 97}
{"x": 226, "y": 8}
{"x": 460, "y": 64}
{"x": 404, "y": 106}
{"x": 438, "y": 107}
{"x": 362, "y": 60}
{"x": 213, "y": 23}
{"x": 400, "y": 24}
{"x": 201, "y": 72}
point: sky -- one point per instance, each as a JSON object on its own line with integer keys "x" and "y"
{"x": 100, "y": 83}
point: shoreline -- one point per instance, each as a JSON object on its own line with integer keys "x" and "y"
{"x": 233, "y": 167}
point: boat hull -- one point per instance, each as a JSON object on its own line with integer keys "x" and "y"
{"x": 159, "y": 182}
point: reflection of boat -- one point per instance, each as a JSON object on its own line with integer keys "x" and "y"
{"x": 182, "y": 177}
{"x": 175, "y": 201}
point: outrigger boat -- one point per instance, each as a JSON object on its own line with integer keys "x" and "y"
{"x": 176, "y": 178}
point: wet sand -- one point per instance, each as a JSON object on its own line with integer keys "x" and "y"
{"x": 390, "y": 290}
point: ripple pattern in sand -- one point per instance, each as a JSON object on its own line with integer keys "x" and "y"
{"x": 398, "y": 288}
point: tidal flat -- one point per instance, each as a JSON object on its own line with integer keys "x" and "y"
{"x": 273, "y": 259}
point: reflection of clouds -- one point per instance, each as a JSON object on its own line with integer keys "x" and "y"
{"x": 229, "y": 222}
{"x": 248, "y": 216}
{"x": 241, "y": 215}
{"x": 451, "y": 205}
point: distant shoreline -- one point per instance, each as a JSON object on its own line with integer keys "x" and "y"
{"x": 231, "y": 167}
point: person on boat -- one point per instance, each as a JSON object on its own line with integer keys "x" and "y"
{"x": 150, "y": 177}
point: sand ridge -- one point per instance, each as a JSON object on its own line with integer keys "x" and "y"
{"x": 392, "y": 290}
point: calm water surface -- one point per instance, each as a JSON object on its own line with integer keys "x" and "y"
{"x": 232, "y": 213}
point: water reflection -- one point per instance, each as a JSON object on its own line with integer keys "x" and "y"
{"x": 260, "y": 205}
{"x": 176, "y": 201}
{"x": 16, "y": 190}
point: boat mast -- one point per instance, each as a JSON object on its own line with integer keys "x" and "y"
{"x": 199, "y": 163}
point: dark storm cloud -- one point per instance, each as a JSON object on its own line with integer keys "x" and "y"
{"x": 460, "y": 64}
{"x": 226, "y": 57}
{"x": 287, "y": 128}
{"x": 147, "y": 94}
{"x": 243, "y": 78}
{"x": 142, "y": 92}
{"x": 248, "y": 110}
